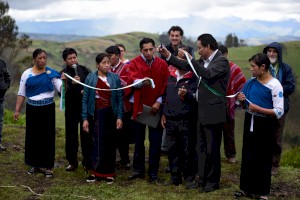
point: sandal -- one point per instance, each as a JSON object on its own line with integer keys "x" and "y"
{"x": 262, "y": 198}
{"x": 48, "y": 174}
{"x": 109, "y": 180}
{"x": 34, "y": 170}
{"x": 240, "y": 194}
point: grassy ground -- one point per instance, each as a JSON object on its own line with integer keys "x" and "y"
{"x": 15, "y": 182}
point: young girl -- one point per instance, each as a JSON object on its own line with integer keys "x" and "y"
{"x": 102, "y": 113}
{"x": 262, "y": 97}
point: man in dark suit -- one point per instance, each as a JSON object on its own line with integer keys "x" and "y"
{"x": 213, "y": 71}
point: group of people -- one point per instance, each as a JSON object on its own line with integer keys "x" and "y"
{"x": 194, "y": 99}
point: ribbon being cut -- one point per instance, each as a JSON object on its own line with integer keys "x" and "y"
{"x": 209, "y": 88}
{"x": 62, "y": 97}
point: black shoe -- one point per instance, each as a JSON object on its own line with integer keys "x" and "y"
{"x": 209, "y": 189}
{"x": 173, "y": 182}
{"x": 125, "y": 166}
{"x": 167, "y": 170}
{"x": 136, "y": 175}
{"x": 48, "y": 174}
{"x": 34, "y": 170}
{"x": 109, "y": 180}
{"x": 193, "y": 182}
{"x": 163, "y": 152}
{"x": 71, "y": 168}
{"x": 153, "y": 179}
{"x": 91, "y": 179}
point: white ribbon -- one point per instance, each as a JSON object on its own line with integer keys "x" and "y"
{"x": 190, "y": 63}
{"x": 128, "y": 86}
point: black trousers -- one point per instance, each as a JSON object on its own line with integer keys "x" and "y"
{"x": 155, "y": 137}
{"x": 72, "y": 121}
{"x": 123, "y": 138}
{"x": 209, "y": 157}
{"x": 180, "y": 139}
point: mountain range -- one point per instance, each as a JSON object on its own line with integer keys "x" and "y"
{"x": 69, "y": 38}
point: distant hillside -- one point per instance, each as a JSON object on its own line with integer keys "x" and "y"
{"x": 254, "y": 41}
{"x": 88, "y": 48}
{"x": 55, "y": 37}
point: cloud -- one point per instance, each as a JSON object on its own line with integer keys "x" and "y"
{"x": 155, "y": 9}
{"x": 251, "y": 18}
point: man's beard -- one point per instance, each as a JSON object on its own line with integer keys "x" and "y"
{"x": 273, "y": 60}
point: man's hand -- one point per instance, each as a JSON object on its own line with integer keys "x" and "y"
{"x": 181, "y": 54}
{"x": 63, "y": 77}
{"x": 155, "y": 108}
{"x": 77, "y": 78}
{"x": 163, "y": 51}
{"x": 182, "y": 92}
{"x": 163, "y": 121}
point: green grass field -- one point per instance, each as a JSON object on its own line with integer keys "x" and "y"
{"x": 13, "y": 176}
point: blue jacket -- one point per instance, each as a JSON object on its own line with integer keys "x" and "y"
{"x": 88, "y": 99}
{"x": 284, "y": 75}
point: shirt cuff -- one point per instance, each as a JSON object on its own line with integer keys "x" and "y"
{"x": 168, "y": 58}
{"x": 159, "y": 99}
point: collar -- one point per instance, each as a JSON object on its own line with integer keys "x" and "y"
{"x": 116, "y": 66}
{"x": 148, "y": 62}
{"x": 210, "y": 57}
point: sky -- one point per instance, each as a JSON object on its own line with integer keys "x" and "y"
{"x": 244, "y": 18}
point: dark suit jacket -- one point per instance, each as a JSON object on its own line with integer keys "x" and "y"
{"x": 211, "y": 107}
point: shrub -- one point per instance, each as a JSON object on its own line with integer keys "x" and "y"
{"x": 291, "y": 157}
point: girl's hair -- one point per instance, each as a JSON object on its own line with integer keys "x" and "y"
{"x": 100, "y": 57}
{"x": 261, "y": 59}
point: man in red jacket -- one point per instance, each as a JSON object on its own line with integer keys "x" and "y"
{"x": 147, "y": 65}
{"x": 123, "y": 136}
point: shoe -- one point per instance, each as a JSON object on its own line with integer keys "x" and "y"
{"x": 119, "y": 165}
{"x": 167, "y": 170}
{"x": 153, "y": 179}
{"x": 240, "y": 194}
{"x": 2, "y": 148}
{"x": 163, "y": 152}
{"x": 274, "y": 170}
{"x": 231, "y": 160}
{"x": 208, "y": 189}
{"x": 109, "y": 180}
{"x": 34, "y": 170}
{"x": 126, "y": 166}
{"x": 193, "y": 183}
{"x": 91, "y": 179}
{"x": 136, "y": 175}
{"x": 262, "y": 198}
{"x": 71, "y": 168}
{"x": 48, "y": 174}
{"x": 86, "y": 165}
{"x": 173, "y": 182}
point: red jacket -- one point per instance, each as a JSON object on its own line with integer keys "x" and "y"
{"x": 123, "y": 72}
{"x": 158, "y": 71}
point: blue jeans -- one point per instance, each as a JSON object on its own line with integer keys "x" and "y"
{"x": 1, "y": 118}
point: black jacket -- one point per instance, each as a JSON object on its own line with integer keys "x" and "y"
{"x": 173, "y": 105}
{"x": 73, "y": 94}
{"x": 4, "y": 79}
